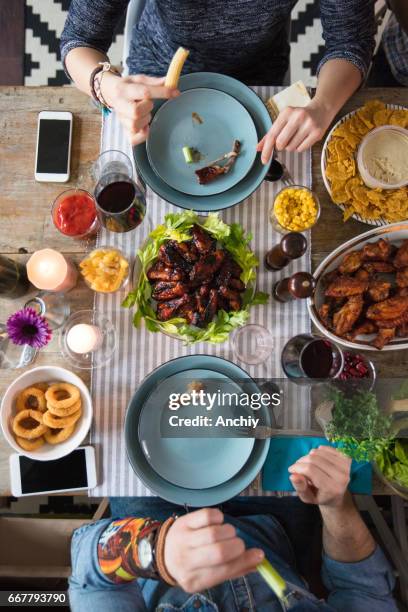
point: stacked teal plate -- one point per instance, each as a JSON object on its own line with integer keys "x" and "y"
{"x": 192, "y": 471}
{"x": 215, "y": 460}
{"x": 234, "y": 192}
{"x": 221, "y": 121}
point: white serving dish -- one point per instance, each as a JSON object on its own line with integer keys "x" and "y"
{"x": 47, "y": 452}
{"x": 369, "y": 180}
{"x": 395, "y": 233}
{"x": 323, "y": 161}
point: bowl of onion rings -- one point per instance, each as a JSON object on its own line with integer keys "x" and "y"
{"x": 46, "y": 413}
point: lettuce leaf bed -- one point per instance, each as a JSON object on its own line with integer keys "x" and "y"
{"x": 233, "y": 239}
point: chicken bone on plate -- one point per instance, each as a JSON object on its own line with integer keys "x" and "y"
{"x": 368, "y": 294}
{"x": 214, "y": 169}
{"x": 196, "y": 280}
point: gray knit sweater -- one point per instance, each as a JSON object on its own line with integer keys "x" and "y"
{"x": 246, "y": 39}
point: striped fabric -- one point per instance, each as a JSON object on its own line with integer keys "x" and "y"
{"x": 140, "y": 351}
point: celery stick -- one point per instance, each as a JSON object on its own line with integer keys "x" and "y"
{"x": 273, "y": 579}
{"x": 188, "y": 153}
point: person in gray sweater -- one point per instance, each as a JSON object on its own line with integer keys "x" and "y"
{"x": 246, "y": 39}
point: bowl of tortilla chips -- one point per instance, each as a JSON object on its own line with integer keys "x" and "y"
{"x": 340, "y": 170}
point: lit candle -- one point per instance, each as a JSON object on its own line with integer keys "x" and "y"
{"x": 51, "y": 271}
{"x": 83, "y": 338}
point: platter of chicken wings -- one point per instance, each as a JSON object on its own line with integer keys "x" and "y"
{"x": 361, "y": 297}
{"x": 194, "y": 279}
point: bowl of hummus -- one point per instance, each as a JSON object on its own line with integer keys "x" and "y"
{"x": 382, "y": 158}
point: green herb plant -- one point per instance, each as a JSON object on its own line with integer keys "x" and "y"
{"x": 232, "y": 238}
{"x": 358, "y": 426}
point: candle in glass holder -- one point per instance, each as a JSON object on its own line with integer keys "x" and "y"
{"x": 84, "y": 338}
{"x": 51, "y": 271}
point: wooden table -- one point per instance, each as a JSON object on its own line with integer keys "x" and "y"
{"x": 26, "y": 225}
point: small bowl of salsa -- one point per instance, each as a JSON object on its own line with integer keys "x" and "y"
{"x": 74, "y": 214}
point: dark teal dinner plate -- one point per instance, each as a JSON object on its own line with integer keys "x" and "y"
{"x": 242, "y": 190}
{"x": 167, "y": 490}
{"x": 223, "y": 120}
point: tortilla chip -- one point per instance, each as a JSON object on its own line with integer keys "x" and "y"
{"x": 347, "y": 187}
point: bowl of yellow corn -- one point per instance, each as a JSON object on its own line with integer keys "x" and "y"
{"x": 295, "y": 209}
{"x": 105, "y": 269}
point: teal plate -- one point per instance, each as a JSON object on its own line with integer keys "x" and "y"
{"x": 224, "y": 120}
{"x": 241, "y": 190}
{"x": 159, "y": 485}
{"x": 192, "y": 463}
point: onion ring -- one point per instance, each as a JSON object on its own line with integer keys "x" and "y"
{"x": 63, "y": 412}
{"x": 29, "y": 434}
{"x": 56, "y": 436}
{"x": 30, "y": 445}
{"x": 24, "y": 400}
{"x": 42, "y": 386}
{"x": 60, "y": 422}
{"x": 51, "y": 395}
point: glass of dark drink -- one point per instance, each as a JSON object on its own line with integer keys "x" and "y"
{"x": 309, "y": 358}
{"x": 120, "y": 201}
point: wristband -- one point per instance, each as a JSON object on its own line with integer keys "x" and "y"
{"x": 105, "y": 67}
{"x": 92, "y": 82}
{"x": 159, "y": 556}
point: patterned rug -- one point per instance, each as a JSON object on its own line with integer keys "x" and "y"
{"x": 44, "y": 21}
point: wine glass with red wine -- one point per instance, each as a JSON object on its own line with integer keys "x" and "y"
{"x": 120, "y": 201}
{"x": 308, "y": 358}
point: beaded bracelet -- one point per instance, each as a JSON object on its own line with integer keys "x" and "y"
{"x": 95, "y": 84}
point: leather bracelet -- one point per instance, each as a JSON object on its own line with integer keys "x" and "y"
{"x": 160, "y": 564}
{"x": 105, "y": 67}
{"x": 92, "y": 82}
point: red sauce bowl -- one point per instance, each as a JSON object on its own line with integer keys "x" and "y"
{"x": 74, "y": 214}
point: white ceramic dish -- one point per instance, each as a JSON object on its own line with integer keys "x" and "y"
{"x": 323, "y": 161}
{"x": 47, "y": 452}
{"x": 373, "y": 136}
{"x": 395, "y": 233}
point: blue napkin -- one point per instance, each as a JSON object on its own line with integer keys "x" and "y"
{"x": 284, "y": 451}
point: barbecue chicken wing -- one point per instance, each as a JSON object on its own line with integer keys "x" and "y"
{"x": 160, "y": 272}
{"x": 168, "y": 291}
{"x": 379, "y": 290}
{"x": 345, "y": 318}
{"x": 372, "y": 267}
{"x": 401, "y": 258}
{"x": 346, "y": 286}
{"x": 377, "y": 251}
{"x": 393, "y": 308}
{"x": 384, "y": 337}
{"x": 402, "y": 278}
{"x": 351, "y": 262}
{"x": 202, "y": 240}
{"x": 168, "y": 310}
{"x": 205, "y": 268}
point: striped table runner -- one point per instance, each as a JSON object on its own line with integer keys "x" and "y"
{"x": 140, "y": 351}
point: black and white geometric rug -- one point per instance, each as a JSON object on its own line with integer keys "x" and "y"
{"x": 44, "y": 21}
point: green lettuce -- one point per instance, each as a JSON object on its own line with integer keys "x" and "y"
{"x": 393, "y": 462}
{"x": 177, "y": 227}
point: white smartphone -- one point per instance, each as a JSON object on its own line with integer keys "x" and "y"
{"x": 74, "y": 472}
{"x": 53, "y": 153}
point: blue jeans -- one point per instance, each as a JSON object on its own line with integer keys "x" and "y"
{"x": 358, "y": 587}
{"x": 301, "y": 522}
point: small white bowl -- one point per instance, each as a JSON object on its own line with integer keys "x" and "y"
{"x": 368, "y": 179}
{"x": 47, "y": 452}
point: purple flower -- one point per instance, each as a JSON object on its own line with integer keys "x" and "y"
{"x": 28, "y": 327}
